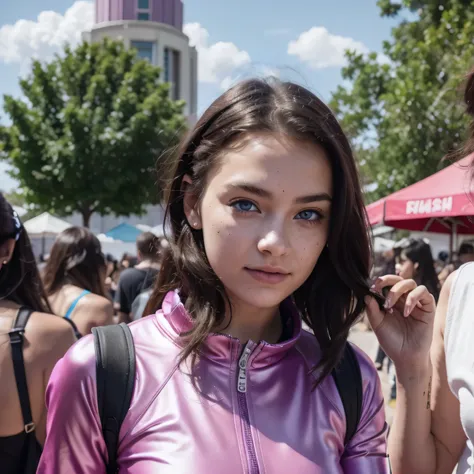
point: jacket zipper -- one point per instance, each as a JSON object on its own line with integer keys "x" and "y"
{"x": 244, "y": 410}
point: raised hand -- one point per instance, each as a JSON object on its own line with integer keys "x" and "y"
{"x": 404, "y": 327}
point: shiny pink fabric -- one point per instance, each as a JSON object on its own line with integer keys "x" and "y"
{"x": 172, "y": 428}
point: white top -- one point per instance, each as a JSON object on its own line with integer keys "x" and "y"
{"x": 459, "y": 348}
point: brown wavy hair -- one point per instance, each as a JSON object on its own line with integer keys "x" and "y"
{"x": 468, "y": 146}
{"x": 332, "y": 298}
{"x": 76, "y": 258}
{"x": 20, "y": 279}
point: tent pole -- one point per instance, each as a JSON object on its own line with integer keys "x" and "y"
{"x": 43, "y": 245}
{"x": 455, "y": 235}
{"x": 451, "y": 246}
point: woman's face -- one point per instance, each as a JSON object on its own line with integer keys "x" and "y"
{"x": 265, "y": 217}
{"x": 405, "y": 267}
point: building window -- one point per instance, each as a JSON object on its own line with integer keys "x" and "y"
{"x": 175, "y": 92}
{"x": 166, "y": 63}
{"x": 145, "y": 50}
{"x": 172, "y": 70}
{"x": 143, "y": 10}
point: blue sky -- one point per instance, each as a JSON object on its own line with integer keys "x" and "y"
{"x": 300, "y": 40}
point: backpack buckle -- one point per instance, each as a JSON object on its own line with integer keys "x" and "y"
{"x": 30, "y": 427}
{"x": 16, "y": 335}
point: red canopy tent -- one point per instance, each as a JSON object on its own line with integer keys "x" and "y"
{"x": 441, "y": 203}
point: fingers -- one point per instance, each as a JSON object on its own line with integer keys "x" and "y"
{"x": 385, "y": 281}
{"x": 420, "y": 298}
{"x": 399, "y": 289}
{"x": 375, "y": 315}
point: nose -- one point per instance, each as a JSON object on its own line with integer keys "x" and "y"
{"x": 273, "y": 242}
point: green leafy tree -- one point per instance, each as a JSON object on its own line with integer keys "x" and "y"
{"x": 87, "y": 134}
{"x": 403, "y": 110}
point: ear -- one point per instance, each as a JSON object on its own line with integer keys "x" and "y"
{"x": 190, "y": 203}
{"x": 416, "y": 266}
{"x": 6, "y": 252}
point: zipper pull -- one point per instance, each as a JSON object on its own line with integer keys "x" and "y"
{"x": 242, "y": 378}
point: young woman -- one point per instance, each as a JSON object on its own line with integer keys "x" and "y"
{"x": 415, "y": 261}
{"x": 268, "y": 228}
{"x": 433, "y": 428}
{"x": 74, "y": 278}
{"x": 45, "y": 339}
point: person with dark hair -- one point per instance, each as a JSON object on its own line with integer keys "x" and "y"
{"x": 415, "y": 261}
{"x": 466, "y": 253}
{"x": 31, "y": 342}
{"x": 74, "y": 280}
{"x": 433, "y": 429}
{"x": 112, "y": 275}
{"x": 268, "y": 228}
{"x": 140, "y": 278}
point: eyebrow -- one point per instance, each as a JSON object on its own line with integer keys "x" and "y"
{"x": 257, "y": 191}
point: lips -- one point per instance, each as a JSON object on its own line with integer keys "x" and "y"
{"x": 270, "y": 275}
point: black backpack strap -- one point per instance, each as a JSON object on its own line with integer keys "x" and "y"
{"x": 115, "y": 368}
{"x": 16, "y": 341}
{"x": 349, "y": 385}
{"x": 74, "y": 328}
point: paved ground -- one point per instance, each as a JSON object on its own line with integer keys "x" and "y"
{"x": 367, "y": 341}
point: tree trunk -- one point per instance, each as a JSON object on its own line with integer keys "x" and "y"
{"x": 86, "y": 217}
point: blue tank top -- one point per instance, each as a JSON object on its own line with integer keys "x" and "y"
{"x": 74, "y": 304}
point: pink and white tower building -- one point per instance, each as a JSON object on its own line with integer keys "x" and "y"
{"x": 155, "y": 29}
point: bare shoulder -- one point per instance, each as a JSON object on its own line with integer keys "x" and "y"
{"x": 49, "y": 325}
{"x": 443, "y": 303}
{"x": 51, "y": 334}
{"x": 98, "y": 303}
{"x": 94, "y": 311}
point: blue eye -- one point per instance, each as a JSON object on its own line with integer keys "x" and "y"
{"x": 308, "y": 215}
{"x": 244, "y": 206}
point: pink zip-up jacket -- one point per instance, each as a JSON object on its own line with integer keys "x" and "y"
{"x": 259, "y": 416}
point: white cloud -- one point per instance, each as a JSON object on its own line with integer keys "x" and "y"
{"x": 321, "y": 49}
{"x": 46, "y": 36}
{"x": 217, "y": 61}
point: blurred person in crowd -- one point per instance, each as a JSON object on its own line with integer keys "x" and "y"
{"x": 465, "y": 253}
{"x": 433, "y": 428}
{"x": 27, "y": 357}
{"x": 415, "y": 261}
{"x": 74, "y": 280}
{"x": 112, "y": 275}
{"x": 139, "y": 278}
{"x": 125, "y": 261}
{"x": 441, "y": 261}
{"x": 267, "y": 228}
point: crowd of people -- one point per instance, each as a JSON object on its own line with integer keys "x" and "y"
{"x": 268, "y": 231}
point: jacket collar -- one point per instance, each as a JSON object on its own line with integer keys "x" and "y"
{"x": 223, "y": 348}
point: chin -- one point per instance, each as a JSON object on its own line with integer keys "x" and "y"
{"x": 264, "y": 298}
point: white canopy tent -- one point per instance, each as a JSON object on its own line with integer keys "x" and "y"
{"x": 45, "y": 226}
